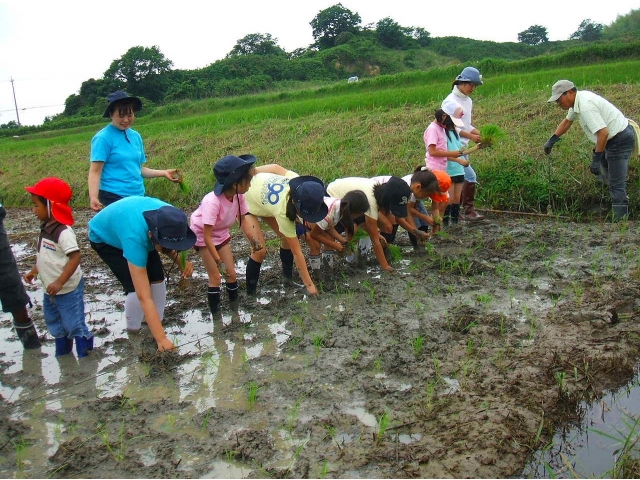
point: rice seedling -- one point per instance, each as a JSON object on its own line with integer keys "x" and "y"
{"x": 171, "y": 422}
{"x": 318, "y": 343}
{"x": 561, "y": 382}
{"x": 205, "y": 420}
{"x": 372, "y": 291}
{"x": 384, "y": 422}
{"x": 252, "y": 393}
{"x": 118, "y": 450}
{"x": 377, "y": 365}
{"x": 20, "y": 446}
{"x": 355, "y": 354}
{"x": 182, "y": 259}
{"x": 395, "y": 253}
{"x": 324, "y": 470}
{"x": 292, "y": 416}
{"x": 417, "y": 344}
{"x": 436, "y": 368}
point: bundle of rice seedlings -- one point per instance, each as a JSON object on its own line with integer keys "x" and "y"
{"x": 489, "y": 134}
{"x": 184, "y": 186}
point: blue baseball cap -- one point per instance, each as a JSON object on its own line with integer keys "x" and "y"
{"x": 230, "y": 169}
{"x": 170, "y": 228}
{"x": 307, "y": 193}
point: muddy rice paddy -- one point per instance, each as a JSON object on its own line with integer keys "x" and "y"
{"x": 462, "y": 363}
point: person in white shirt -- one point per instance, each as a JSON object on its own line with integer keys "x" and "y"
{"x": 607, "y": 128}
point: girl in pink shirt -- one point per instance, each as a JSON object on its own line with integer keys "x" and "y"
{"x": 218, "y": 210}
{"x": 435, "y": 140}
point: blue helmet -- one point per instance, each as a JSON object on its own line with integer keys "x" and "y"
{"x": 471, "y": 75}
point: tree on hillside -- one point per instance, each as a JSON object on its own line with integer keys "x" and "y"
{"x": 624, "y": 26}
{"x": 390, "y": 33}
{"x": 256, "y": 44}
{"x": 140, "y": 71}
{"x": 421, "y": 36}
{"x": 588, "y": 31}
{"x": 331, "y": 22}
{"x": 534, "y": 35}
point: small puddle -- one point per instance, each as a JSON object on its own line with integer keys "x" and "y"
{"x": 590, "y": 450}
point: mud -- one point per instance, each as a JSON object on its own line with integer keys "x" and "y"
{"x": 460, "y": 364}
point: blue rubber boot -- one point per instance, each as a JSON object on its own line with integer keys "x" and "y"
{"x": 64, "y": 346}
{"x": 83, "y": 346}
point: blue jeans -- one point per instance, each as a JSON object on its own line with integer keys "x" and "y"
{"x": 422, "y": 209}
{"x": 615, "y": 164}
{"x": 469, "y": 173}
{"x": 64, "y": 314}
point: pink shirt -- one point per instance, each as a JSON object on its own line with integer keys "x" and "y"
{"x": 219, "y": 212}
{"x": 435, "y": 135}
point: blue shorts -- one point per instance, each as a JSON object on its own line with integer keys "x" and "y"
{"x": 64, "y": 314}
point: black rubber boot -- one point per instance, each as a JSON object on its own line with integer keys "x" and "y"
{"x": 455, "y": 213}
{"x": 232, "y": 292}
{"x": 253, "y": 274}
{"x": 213, "y": 297}
{"x": 286, "y": 256}
{"x": 446, "y": 218}
{"x": 619, "y": 212}
{"x": 23, "y": 324}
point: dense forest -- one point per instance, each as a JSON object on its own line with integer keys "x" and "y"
{"x": 342, "y": 48}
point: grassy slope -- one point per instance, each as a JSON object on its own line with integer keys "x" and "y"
{"x": 371, "y": 129}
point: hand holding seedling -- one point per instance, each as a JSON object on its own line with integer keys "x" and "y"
{"x": 550, "y": 143}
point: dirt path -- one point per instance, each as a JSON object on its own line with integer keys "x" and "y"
{"x": 458, "y": 365}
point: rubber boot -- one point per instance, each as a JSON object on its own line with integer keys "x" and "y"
{"x": 468, "y": 202}
{"x": 455, "y": 213}
{"x": 619, "y": 212}
{"x": 414, "y": 240}
{"x": 83, "y": 346}
{"x": 232, "y": 293}
{"x": 27, "y": 334}
{"x": 390, "y": 237}
{"x": 315, "y": 262}
{"x": 64, "y": 346}
{"x": 213, "y": 298}
{"x": 286, "y": 256}
{"x": 252, "y": 275}
{"x": 446, "y": 218}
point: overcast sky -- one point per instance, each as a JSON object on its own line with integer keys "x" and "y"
{"x": 49, "y": 48}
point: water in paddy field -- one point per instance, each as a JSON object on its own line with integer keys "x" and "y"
{"x": 590, "y": 450}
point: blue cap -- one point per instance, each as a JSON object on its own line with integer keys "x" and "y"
{"x": 307, "y": 193}
{"x": 230, "y": 169}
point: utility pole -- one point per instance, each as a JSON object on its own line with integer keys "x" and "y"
{"x": 14, "y": 101}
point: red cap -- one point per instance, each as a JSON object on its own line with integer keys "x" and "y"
{"x": 59, "y": 193}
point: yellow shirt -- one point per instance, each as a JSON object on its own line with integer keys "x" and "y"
{"x": 268, "y": 197}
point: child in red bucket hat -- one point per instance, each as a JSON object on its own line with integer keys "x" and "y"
{"x": 58, "y": 266}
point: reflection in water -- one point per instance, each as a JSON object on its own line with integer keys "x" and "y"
{"x": 592, "y": 448}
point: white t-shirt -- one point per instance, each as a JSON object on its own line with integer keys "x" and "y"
{"x": 595, "y": 113}
{"x": 341, "y": 186}
{"x": 333, "y": 216}
{"x": 56, "y": 242}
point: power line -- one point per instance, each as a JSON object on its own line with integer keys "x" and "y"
{"x": 31, "y": 108}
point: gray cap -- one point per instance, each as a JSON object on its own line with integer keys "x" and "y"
{"x": 559, "y": 88}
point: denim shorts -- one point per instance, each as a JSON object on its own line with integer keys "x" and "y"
{"x": 64, "y": 314}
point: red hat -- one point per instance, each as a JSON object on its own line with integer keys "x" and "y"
{"x": 58, "y": 192}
